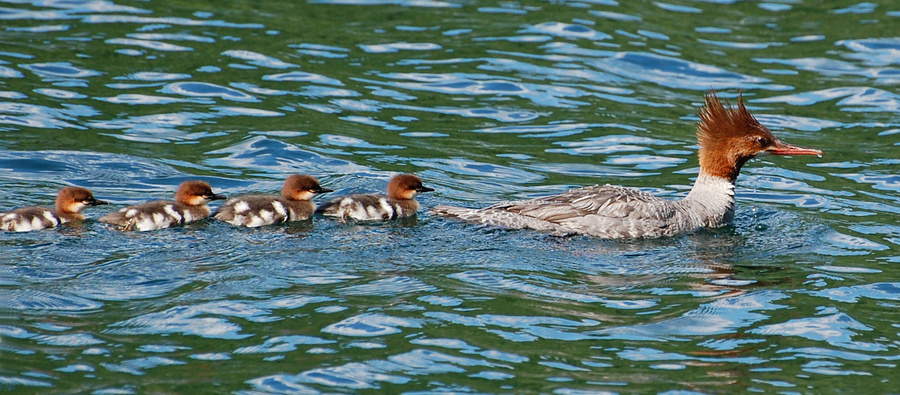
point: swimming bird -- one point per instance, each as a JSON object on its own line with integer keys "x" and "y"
{"x": 400, "y": 202}
{"x": 69, "y": 203}
{"x": 728, "y": 137}
{"x": 294, "y": 204}
{"x": 189, "y": 205}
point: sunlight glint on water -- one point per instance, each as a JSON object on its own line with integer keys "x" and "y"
{"x": 485, "y": 103}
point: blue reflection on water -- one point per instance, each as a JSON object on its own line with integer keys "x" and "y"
{"x": 800, "y": 282}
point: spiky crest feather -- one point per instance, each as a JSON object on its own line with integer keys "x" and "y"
{"x": 720, "y": 127}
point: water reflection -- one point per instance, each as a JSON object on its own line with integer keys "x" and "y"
{"x": 131, "y": 100}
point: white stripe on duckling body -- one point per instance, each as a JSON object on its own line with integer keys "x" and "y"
{"x": 69, "y": 203}
{"x": 728, "y": 138}
{"x": 294, "y": 204}
{"x": 189, "y": 205}
{"x": 400, "y": 202}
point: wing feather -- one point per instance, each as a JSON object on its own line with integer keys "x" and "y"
{"x": 607, "y": 201}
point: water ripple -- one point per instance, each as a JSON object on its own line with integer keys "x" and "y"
{"x": 185, "y": 320}
{"x": 836, "y": 329}
{"x": 157, "y": 128}
{"x": 60, "y": 94}
{"x": 153, "y": 76}
{"x": 263, "y": 155}
{"x": 497, "y": 114}
{"x": 395, "y": 47}
{"x": 258, "y": 59}
{"x": 566, "y": 30}
{"x": 885, "y": 182}
{"x": 35, "y": 116}
{"x": 678, "y": 73}
{"x": 168, "y": 20}
{"x": 831, "y": 68}
{"x": 852, "y": 294}
{"x": 861, "y": 99}
{"x": 59, "y": 70}
{"x": 138, "y": 366}
{"x": 497, "y": 280}
{"x": 388, "y": 287}
{"x": 26, "y": 300}
{"x": 556, "y": 130}
{"x": 368, "y": 375}
{"x": 606, "y": 145}
{"x": 486, "y": 103}
{"x": 14, "y": 382}
{"x": 405, "y": 3}
{"x": 876, "y": 52}
{"x": 371, "y": 324}
{"x": 726, "y": 315}
{"x": 172, "y": 36}
{"x": 480, "y": 85}
{"x": 282, "y": 344}
{"x": 651, "y": 354}
{"x": 322, "y": 51}
{"x": 68, "y": 340}
{"x": 6, "y": 72}
{"x": 205, "y": 89}
{"x": 139, "y": 99}
{"x": 301, "y": 76}
{"x": 149, "y": 44}
{"x": 480, "y": 169}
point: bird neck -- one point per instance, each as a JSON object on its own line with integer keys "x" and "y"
{"x": 711, "y": 200}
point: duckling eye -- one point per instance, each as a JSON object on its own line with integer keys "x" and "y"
{"x": 762, "y": 141}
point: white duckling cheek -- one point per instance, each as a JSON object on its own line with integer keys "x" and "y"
{"x": 197, "y": 200}
{"x": 305, "y": 195}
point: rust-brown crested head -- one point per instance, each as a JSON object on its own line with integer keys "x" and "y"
{"x": 729, "y": 136}
{"x": 406, "y": 186}
{"x": 301, "y": 187}
{"x": 195, "y": 193}
{"x": 74, "y": 199}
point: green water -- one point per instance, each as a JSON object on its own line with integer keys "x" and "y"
{"x": 485, "y": 102}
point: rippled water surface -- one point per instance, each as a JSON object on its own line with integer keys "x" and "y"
{"x": 486, "y": 101}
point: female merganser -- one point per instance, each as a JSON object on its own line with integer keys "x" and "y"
{"x": 728, "y": 138}
{"x": 189, "y": 205}
{"x": 400, "y": 202}
{"x": 69, "y": 203}
{"x": 294, "y": 204}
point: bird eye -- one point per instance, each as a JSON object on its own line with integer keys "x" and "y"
{"x": 762, "y": 141}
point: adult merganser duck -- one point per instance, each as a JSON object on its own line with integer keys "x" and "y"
{"x": 294, "y": 204}
{"x": 728, "y": 138}
{"x": 189, "y": 205}
{"x": 400, "y": 202}
{"x": 69, "y": 203}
